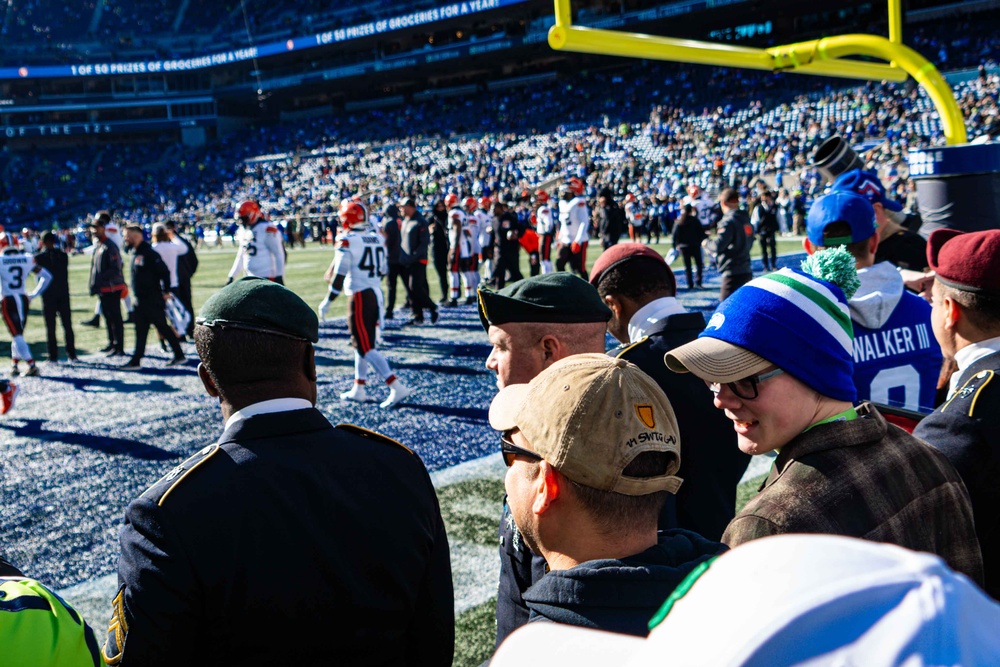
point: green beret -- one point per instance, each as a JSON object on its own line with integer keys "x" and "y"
{"x": 258, "y": 304}
{"x": 554, "y": 297}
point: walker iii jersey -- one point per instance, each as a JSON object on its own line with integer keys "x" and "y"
{"x": 361, "y": 259}
{"x": 897, "y": 360}
{"x": 261, "y": 253}
{"x": 574, "y": 221}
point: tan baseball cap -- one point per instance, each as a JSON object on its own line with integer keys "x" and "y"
{"x": 715, "y": 360}
{"x": 590, "y": 415}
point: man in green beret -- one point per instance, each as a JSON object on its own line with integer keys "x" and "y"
{"x": 532, "y": 324}
{"x": 283, "y": 526}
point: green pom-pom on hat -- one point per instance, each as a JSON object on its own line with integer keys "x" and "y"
{"x": 834, "y": 265}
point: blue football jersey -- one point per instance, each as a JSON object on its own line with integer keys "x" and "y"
{"x": 899, "y": 364}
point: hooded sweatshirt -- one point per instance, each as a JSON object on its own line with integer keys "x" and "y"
{"x": 620, "y": 595}
{"x": 897, "y": 360}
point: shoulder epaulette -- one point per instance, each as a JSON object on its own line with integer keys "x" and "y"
{"x": 372, "y": 435}
{"x": 181, "y": 472}
{"x": 623, "y": 348}
{"x": 969, "y": 392}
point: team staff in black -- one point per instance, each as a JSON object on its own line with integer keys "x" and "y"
{"x": 55, "y": 299}
{"x": 107, "y": 282}
{"x": 688, "y": 233}
{"x": 288, "y": 541}
{"x": 439, "y": 246}
{"x": 965, "y": 317}
{"x": 635, "y": 282}
{"x": 392, "y": 230}
{"x": 150, "y": 287}
{"x": 187, "y": 264}
{"x": 414, "y": 241}
{"x": 506, "y": 246}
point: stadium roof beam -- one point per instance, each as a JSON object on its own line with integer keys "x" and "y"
{"x": 821, "y": 57}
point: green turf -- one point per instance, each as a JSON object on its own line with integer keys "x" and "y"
{"x": 471, "y": 510}
{"x": 475, "y": 635}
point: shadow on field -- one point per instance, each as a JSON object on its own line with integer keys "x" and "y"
{"x": 477, "y": 415}
{"x": 34, "y": 428}
{"x": 158, "y": 386}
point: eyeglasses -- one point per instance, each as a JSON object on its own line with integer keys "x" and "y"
{"x": 509, "y": 450}
{"x": 745, "y": 388}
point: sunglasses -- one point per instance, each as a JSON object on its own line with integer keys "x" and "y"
{"x": 509, "y": 450}
{"x": 747, "y": 388}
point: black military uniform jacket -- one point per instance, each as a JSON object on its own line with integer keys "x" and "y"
{"x": 711, "y": 462}
{"x": 967, "y": 430}
{"x": 150, "y": 275}
{"x": 287, "y": 542}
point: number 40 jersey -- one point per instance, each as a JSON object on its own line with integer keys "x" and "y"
{"x": 361, "y": 259}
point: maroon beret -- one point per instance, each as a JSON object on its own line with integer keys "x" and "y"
{"x": 967, "y": 261}
{"x": 617, "y": 254}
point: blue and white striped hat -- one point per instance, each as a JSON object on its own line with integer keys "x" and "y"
{"x": 789, "y": 319}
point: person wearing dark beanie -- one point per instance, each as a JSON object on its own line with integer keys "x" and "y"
{"x": 778, "y": 355}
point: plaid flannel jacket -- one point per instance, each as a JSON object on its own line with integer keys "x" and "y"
{"x": 868, "y": 479}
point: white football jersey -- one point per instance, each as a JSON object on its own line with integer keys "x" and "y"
{"x": 485, "y": 225}
{"x": 459, "y": 239}
{"x": 545, "y": 220}
{"x": 473, "y": 228}
{"x": 115, "y": 234}
{"x": 634, "y": 214}
{"x": 362, "y": 259}
{"x": 574, "y": 221}
{"x": 703, "y": 205}
{"x": 14, "y": 270}
{"x": 261, "y": 252}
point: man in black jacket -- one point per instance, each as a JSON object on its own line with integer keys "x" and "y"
{"x": 289, "y": 541}
{"x": 55, "y": 299}
{"x": 187, "y": 265}
{"x": 507, "y": 245}
{"x": 732, "y": 245}
{"x": 637, "y": 285}
{"x": 108, "y": 282}
{"x": 391, "y": 228}
{"x": 765, "y": 223}
{"x": 688, "y": 233}
{"x": 151, "y": 287}
{"x": 414, "y": 240}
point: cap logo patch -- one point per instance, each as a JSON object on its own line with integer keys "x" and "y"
{"x": 869, "y": 189}
{"x": 716, "y": 322}
{"x": 645, "y": 414}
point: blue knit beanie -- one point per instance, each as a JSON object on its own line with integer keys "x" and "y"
{"x": 798, "y": 321}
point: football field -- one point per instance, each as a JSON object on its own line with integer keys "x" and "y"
{"x": 86, "y": 438}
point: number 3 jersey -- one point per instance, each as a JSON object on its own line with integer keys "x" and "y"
{"x": 361, "y": 258}
{"x": 14, "y": 270}
{"x": 897, "y": 360}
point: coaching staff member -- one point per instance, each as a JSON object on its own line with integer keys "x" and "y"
{"x": 288, "y": 541}
{"x": 151, "y": 286}
{"x": 635, "y": 282}
{"x": 55, "y": 299}
{"x": 107, "y": 282}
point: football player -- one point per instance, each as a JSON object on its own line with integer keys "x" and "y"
{"x": 473, "y": 227}
{"x": 459, "y": 250}
{"x": 574, "y": 228}
{"x": 635, "y": 216}
{"x": 703, "y": 205}
{"x": 15, "y": 265}
{"x": 545, "y": 227}
{"x": 485, "y": 217}
{"x": 357, "y": 269}
{"x": 262, "y": 252}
